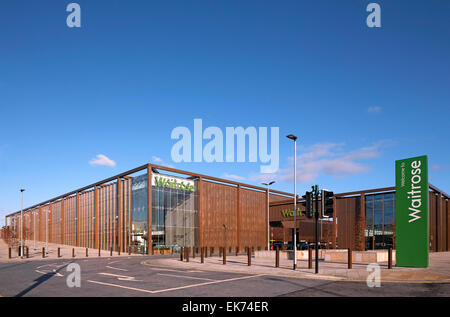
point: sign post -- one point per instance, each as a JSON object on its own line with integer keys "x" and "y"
{"x": 411, "y": 212}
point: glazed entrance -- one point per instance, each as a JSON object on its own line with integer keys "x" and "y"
{"x": 174, "y": 213}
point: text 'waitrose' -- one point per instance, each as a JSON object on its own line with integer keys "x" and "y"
{"x": 162, "y": 182}
{"x": 415, "y": 193}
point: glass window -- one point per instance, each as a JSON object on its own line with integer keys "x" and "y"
{"x": 388, "y": 214}
{"x": 174, "y": 218}
{"x": 369, "y": 222}
{"x": 378, "y": 221}
{"x": 139, "y": 213}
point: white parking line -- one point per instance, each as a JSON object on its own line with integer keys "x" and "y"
{"x": 122, "y": 277}
{"x": 116, "y": 268}
{"x": 57, "y": 265}
{"x": 126, "y": 287}
{"x": 161, "y": 269}
{"x": 175, "y": 288}
{"x": 190, "y": 277}
{"x": 208, "y": 283}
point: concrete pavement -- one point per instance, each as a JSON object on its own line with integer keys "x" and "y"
{"x": 437, "y": 272}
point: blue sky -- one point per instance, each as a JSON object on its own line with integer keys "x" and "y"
{"x": 358, "y": 98}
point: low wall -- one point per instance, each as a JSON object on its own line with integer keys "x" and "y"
{"x": 289, "y": 254}
{"x": 332, "y": 255}
{"x": 359, "y": 256}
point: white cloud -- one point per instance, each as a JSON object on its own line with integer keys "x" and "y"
{"x": 326, "y": 159}
{"x": 233, "y": 176}
{"x": 375, "y": 109}
{"x": 156, "y": 159}
{"x": 439, "y": 168}
{"x": 102, "y": 160}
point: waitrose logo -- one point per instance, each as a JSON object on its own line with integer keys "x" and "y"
{"x": 172, "y": 182}
{"x": 290, "y": 213}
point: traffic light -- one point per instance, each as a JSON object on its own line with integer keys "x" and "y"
{"x": 327, "y": 204}
{"x": 308, "y": 204}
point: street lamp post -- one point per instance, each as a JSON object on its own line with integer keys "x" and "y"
{"x": 21, "y": 222}
{"x": 294, "y": 138}
{"x": 268, "y": 224}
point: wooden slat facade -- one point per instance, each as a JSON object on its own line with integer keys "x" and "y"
{"x": 350, "y": 212}
{"x": 230, "y": 214}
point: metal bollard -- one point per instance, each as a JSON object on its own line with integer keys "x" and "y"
{"x": 206, "y": 252}
{"x": 181, "y": 253}
{"x": 73, "y": 252}
{"x": 187, "y": 254}
{"x": 26, "y": 254}
{"x": 118, "y": 250}
{"x": 193, "y": 252}
{"x": 98, "y": 251}
{"x": 224, "y": 260}
{"x": 249, "y": 256}
{"x": 110, "y": 251}
{"x": 43, "y": 252}
{"x": 237, "y": 251}
{"x": 202, "y": 255}
{"x": 212, "y": 251}
{"x": 277, "y": 257}
{"x": 390, "y": 258}
{"x": 59, "y": 252}
{"x": 309, "y": 258}
{"x": 349, "y": 258}
{"x": 87, "y": 252}
{"x": 220, "y": 251}
{"x": 9, "y": 253}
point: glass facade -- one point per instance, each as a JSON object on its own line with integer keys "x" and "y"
{"x": 174, "y": 216}
{"x": 379, "y": 231}
{"x": 139, "y": 216}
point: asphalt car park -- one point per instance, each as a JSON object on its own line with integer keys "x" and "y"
{"x": 147, "y": 276}
{"x": 133, "y": 276}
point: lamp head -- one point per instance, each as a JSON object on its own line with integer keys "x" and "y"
{"x": 292, "y": 137}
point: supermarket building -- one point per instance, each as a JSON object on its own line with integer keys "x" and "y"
{"x": 190, "y": 209}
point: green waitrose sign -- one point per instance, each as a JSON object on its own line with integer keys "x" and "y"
{"x": 411, "y": 212}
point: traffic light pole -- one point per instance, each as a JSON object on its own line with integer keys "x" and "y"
{"x": 325, "y": 212}
{"x": 316, "y": 215}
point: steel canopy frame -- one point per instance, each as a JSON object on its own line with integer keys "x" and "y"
{"x": 149, "y": 167}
